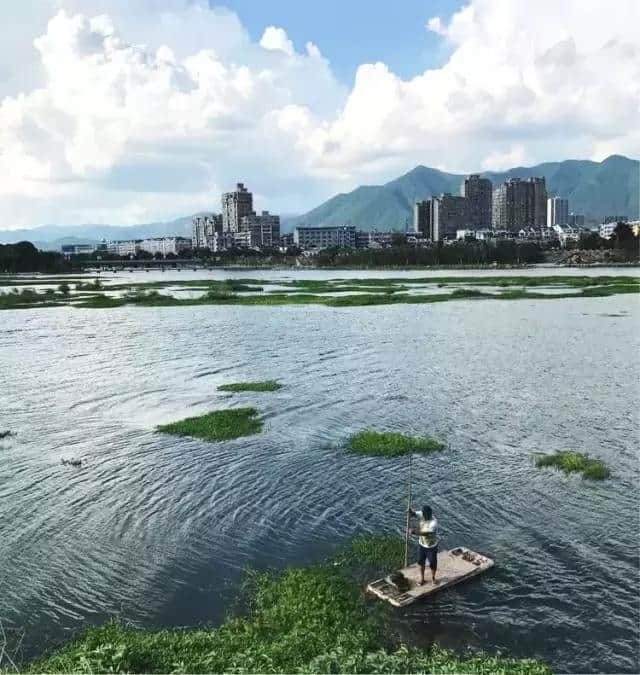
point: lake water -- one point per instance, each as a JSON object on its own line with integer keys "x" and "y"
{"x": 156, "y": 529}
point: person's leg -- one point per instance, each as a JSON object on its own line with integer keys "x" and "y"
{"x": 433, "y": 563}
{"x": 422, "y": 559}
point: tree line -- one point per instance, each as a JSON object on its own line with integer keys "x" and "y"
{"x": 25, "y": 257}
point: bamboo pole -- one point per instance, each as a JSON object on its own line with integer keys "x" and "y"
{"x": 406, "y": 533}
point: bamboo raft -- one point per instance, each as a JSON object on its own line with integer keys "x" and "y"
{"x": 454, "y": 566}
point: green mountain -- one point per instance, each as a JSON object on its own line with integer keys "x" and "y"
{"x": 596, "y": 189}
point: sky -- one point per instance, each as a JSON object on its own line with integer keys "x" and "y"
{"x": 121, "y": 112}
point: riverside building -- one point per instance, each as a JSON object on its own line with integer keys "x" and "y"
{"x": 343, "y": 236}
{"x": 479, "y": 195}
{"x": 520, "y": 203}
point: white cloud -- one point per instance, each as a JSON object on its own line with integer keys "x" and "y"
{"x": 276, "y": 38}
{"x": 145, "y": 111}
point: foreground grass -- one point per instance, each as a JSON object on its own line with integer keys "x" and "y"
{"x": 575, "y": 462}
{"x": 266, "y": 385}
{"x": 385, "y": 444}
{"x": 222, "y": 425}
{"x": 304, "y": 620}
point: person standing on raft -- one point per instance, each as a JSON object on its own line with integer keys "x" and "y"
{"x": 428, "y": 538}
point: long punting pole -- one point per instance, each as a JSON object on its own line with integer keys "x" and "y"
{"x": 406, "y": 534}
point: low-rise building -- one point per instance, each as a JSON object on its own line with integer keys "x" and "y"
{"x": 166, "y": 245}
{"x": 481, "y": 235}
{"x": 78, "y": 249}
{"x": 566, "y": 233}
{"x": 343, "y": 236}
{"x": 375, "y": 239}
{"x": 607, "y": 229}
{"x": 124, "y": 248}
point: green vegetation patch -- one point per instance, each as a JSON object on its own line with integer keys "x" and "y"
{"x": 384, "y": 553}
{"x": 221, "y": 425}
{"x": 266, "y": 385}
{"x": 303, "y": 620}
{"x": 386, "y": 444}
{"x": 575, "y": 462}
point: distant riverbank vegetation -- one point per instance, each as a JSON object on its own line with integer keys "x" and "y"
{"x": 331, "y": 293}
{"x": 25, "y": 257}
{"x": 266, "y": 385}
{"x": 386, "y": 444}
{"x": 575, "y": 462}
{"x": 311, "y": 619}
{"x": 221, "y": 425}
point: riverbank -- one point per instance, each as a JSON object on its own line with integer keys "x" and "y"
{"x": 311, "y": 619}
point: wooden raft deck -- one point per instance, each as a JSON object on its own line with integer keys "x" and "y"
{"x": 454, "y": 566}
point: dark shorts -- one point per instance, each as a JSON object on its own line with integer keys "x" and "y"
{"x": 428, "y": 554}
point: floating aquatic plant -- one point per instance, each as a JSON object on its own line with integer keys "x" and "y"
{"x": 266, "y": 385}
{"x": 575, "y": 462}
{"x": 387, "y": 444}
{"x": 221, "y": 425}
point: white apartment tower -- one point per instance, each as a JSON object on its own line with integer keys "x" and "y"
{"x": 557, "y": 211}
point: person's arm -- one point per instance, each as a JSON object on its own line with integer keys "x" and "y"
{"x": 412, "y": 513}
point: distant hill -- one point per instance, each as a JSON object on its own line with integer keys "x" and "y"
{"x": 596, "y": 189}
{"x": 52, "y": 237}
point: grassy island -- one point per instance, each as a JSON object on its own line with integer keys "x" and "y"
{"x": 386, "y": 444}
{"x": 336, "y": 293}
{"x": 266, "y": 385}
{"x": 222, "y": 425}
{"x": 575, "y": 462}
{"x": 303, "y": 620}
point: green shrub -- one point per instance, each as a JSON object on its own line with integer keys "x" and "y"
{"x": 386, "y": 444}
{"x": 221, "y": 425}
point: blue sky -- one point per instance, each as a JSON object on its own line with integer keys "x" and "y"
{"x": 352, "y": 32}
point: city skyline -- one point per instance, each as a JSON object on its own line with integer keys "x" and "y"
{"x": 121, "y": 115}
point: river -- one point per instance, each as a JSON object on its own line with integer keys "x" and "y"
{"x": 156, "y": 529}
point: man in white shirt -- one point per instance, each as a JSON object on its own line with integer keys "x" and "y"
{"x": 428, "y": 539}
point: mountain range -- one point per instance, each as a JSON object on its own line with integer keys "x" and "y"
{"x": 595, "y": 189}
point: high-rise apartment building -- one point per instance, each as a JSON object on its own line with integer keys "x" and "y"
{"x": 479, "y": 193}
{"x": 449, "y": 213}
{"x": 422, "y": 218}
{"x": 519, "y": 204}
{"x": 236, "y": 205}
{"x": 557, "y": 211}
{"x": 440, "y": 217}
{"x": 263, "y": 230}
{"x": 204, "y": 228}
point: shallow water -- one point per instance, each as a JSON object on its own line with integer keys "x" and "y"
{"x": 156, "y": 529}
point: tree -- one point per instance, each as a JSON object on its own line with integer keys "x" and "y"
{"x": 398, "y": 239}
{"x": 590, "y": 241}
{"x": 625, "y": 240}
